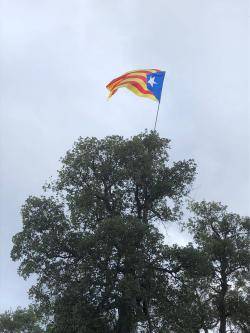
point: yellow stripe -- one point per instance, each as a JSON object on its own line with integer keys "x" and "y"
{"x": 135, "y": 91}
{"x": 124, "y": 81}
{"x": 143, "y": 70}
{"x": 131, "y": 73}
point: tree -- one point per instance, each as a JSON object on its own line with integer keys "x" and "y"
{"x": 183, "y": 302}
{"x": 92, "y": 243}
{"x": 20, "y": 321}
{"x": 223, "y": 236}
{"x": 119, "y": 282}
{"x": 238, "y": 302}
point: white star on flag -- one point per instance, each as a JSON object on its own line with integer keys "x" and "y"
{"x": 151, "y": 81}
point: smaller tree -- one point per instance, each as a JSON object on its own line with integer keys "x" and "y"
{"x": 20, "y": 321}
{"x": 239, "y": 307}
{"x": 223, "y": 236}
{"x": 183, "y": 302}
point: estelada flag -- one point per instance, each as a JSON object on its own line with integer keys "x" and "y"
{"x": 145, "y": 83}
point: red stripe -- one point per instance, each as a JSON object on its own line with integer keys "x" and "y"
{"x": 131, "y": 73}
{"x": 143, "y": 78}
{"x": 113, "y": 92}
{"x": 139, "y": 87}
{"x": 117, "y": 78}
{"x": 122, "y": 77}
{"x": 147, "y": 71}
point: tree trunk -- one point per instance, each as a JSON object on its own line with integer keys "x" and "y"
{"x": 223, "y": 322}
{"x": 222, "y": 302}
{"x": 125, "y": 322}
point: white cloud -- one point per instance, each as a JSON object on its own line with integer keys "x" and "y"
{"x": 57, "y": 56}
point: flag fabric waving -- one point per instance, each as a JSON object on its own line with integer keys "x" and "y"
{"x": 145, "y": 83}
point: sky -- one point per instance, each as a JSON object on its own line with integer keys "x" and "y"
{"x": 56, "y": 57}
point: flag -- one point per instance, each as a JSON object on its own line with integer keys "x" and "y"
{"x": 145, "y": 83}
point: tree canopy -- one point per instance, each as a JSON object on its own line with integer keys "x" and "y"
{"x": 20, "y": 321}
{"x": 223, "y": 236}
{"x": 101, "y": 262}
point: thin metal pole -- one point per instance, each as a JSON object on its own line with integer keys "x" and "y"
{"x": 157, "y": 115}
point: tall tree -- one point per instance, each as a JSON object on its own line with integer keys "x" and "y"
{"x": 92, "y": 244}
{"x": 224, "y": 237}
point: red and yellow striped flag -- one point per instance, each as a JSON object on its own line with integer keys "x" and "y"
{"x": 135, "y": 81}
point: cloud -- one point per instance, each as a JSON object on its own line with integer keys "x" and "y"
{"x": 56, "y": 58}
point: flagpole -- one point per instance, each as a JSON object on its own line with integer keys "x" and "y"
{"x": 157, "y": 115}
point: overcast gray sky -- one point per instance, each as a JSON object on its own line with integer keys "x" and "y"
{"x": 56, "y": 58}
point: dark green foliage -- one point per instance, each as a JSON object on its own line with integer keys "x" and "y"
{"x": 223, "y": 236}
{"x": 102, "y": 265}
{"x": 118, "y": 261}
{"x": 110, "y": 177}
{"x": 92, "y": 244}
{"x": 183, "y": 303}
{"x": 20, "y": 321}
{"x": 238, "y": 304}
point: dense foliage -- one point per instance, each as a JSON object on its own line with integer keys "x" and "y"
{"x": 223, "y": 236}
{"x": 101, "y": 263}
{"x": 20, "y": 321}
